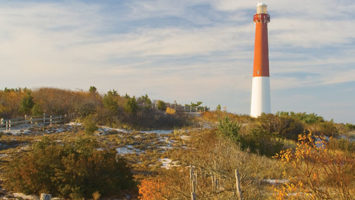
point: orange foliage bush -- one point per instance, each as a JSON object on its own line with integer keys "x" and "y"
{"x": 152, "y": 189}
{"x": 10, "y": 102}
{"x": 316, "y": 172}
{"x": 58, "y": 101}
{"x": 170, "y": 111}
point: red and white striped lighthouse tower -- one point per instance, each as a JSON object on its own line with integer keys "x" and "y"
{"x": 260, "y": 97}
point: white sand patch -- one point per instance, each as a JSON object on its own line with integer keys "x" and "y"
{"x": 167, "y": 163}
{"x": 276, "y": 181}
{"x": 73, "y": 124}
{"x": 3, "y": 155}
{"x": 185, "y": 137}
{"x": 128, "y": 149}
{"x": 159, "y": 132}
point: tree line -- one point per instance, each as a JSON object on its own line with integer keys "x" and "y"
{"x": 110, "y": 108}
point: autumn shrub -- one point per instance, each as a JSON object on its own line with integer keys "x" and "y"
{"x": 110, "y": 109}
{"x": 72, "y": 170}
{"x": 90, "y": 124}
{"x": 86, "y": 109}
{"x": 350, "y": 127}
{"x": 259, "y": 141}
{"x": 307, "y": 118}
{"x": 327, "y": 128}
{"x": 281, "y": 126}
{"x": 216, "y": 116}
{"x": 256, "y": 140}
{"x": 343, "y": 144}
{"x": 10, "y": 100}
{"x": 316, "y": 172}
{"x": 57, "y": 101}
{"x": 153, "y": 189}
{"x": 168, "y": 184}
{"x": 170, "y": 111}
{"x": 215, "y": 159}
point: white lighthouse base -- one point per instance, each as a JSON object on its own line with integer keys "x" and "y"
{"x": 260, "y": 96}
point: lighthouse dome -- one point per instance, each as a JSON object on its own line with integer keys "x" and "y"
{"x": 261, "y": 4}
{"x": 261, "y": 8}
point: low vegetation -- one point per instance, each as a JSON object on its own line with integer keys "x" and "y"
{"x": 274, "y": 161}
{"x": 72, "y": 170}
{"x": 110, "y": 109}
{"x": 279, "y": 156}
{"x": 317, "y": 171}
{"x": 214, "y": 159}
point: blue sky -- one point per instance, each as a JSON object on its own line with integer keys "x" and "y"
{"x": 185, "y": 50}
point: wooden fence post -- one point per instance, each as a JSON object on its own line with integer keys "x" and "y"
{"x": 8, "y": 123}
{"x": 44, "y": 121}
{"x": 193, "y": 183}
{"x": 212, "y": 182}
{"x": 195, "y": 179}
{"x": 237, "y": 184}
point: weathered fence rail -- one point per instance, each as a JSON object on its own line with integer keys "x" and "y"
{"x": 45, "y": 120}
{"x": 216, "y": 177}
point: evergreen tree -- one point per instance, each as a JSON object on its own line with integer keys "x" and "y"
{"x": 27, "y": 104}
{"x": 131, "y": 106}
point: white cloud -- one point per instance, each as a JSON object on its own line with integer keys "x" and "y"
{"x": 339, "y": 77}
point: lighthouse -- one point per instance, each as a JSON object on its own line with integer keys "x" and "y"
{"x": 260, "y": 94}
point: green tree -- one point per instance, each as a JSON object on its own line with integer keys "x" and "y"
{"x": 27, "y": 104}
{"x": 198, "y": 103}
{"x": 145, "y": 100}
{"x": 229, "y": 129}
{"x": 195, "y": 106}
{"x": 36, "y": 110}
{"x": 110, "y": 101}
{"x": 219, "y": 107}
{"x": 92, "y": 90}
{"x": 131, "y": 105}
{"x": 161, "y": 105}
